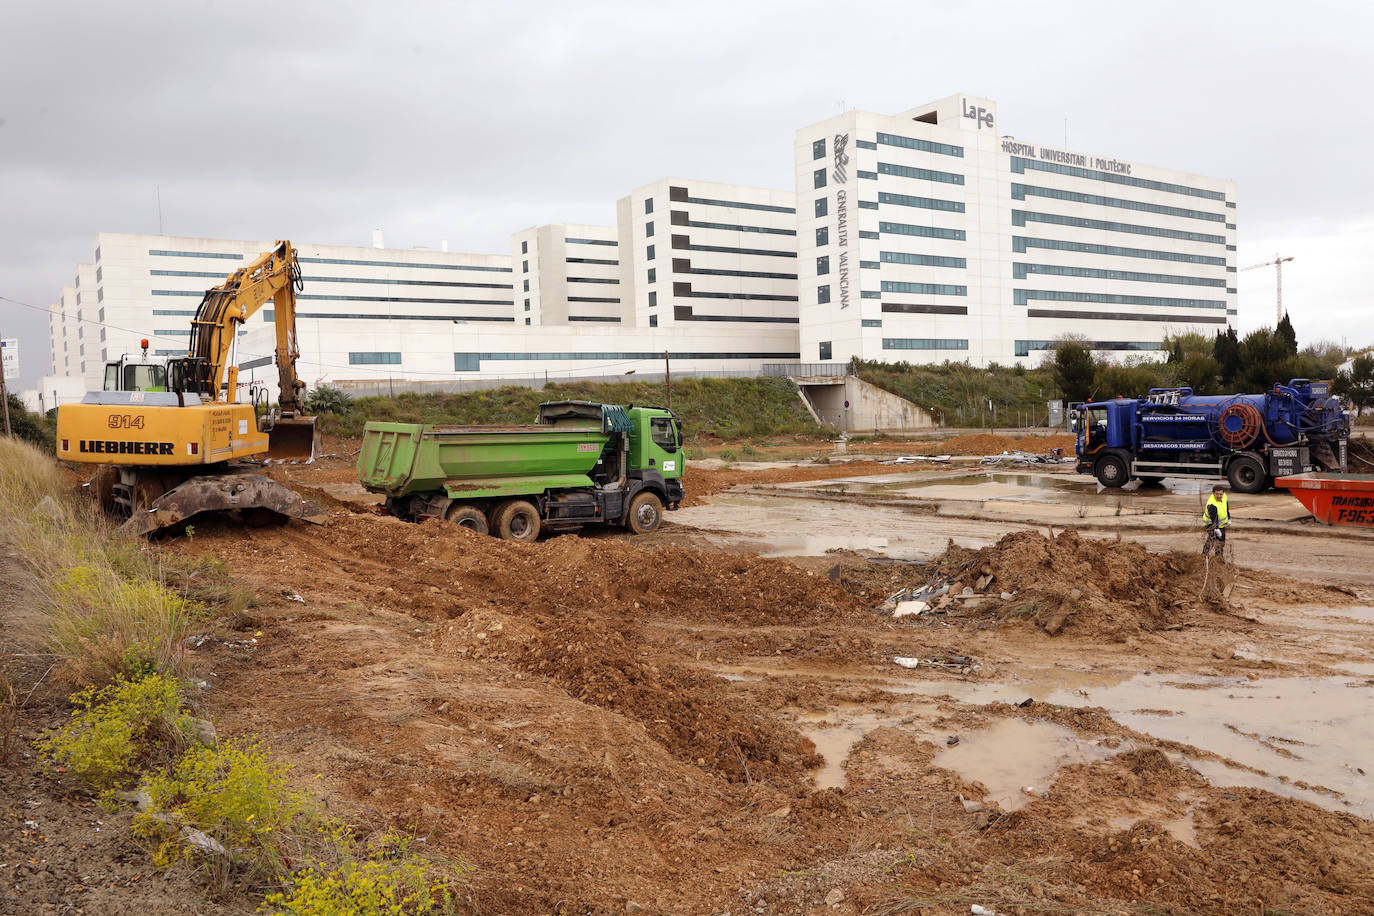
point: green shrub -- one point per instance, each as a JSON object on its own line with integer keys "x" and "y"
{"x": 324, "y": 399}
{"x": 40, "y": 429}
{"x": 736, "y": 408}
{"x": 236, "y": 795}
{"x": 115, "y": 731}
{"x": 399, "y": 885}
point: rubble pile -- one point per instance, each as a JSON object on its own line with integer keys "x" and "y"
{"x": 1067, "y": 583}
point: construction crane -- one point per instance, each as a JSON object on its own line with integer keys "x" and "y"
{"x": 1277, "y": 264}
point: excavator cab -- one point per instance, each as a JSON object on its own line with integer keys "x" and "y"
{"x": 130, "y": 373}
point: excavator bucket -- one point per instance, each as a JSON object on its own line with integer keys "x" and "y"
{"x": 292, "y": 439}
{"x": 221, "y": 492}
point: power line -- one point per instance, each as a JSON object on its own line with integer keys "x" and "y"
{"x": 380, "y": 373}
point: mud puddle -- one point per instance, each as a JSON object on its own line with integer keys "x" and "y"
{"x": 836, "y": 731}
{"x": 1016, "y": 761}
{"x": 814, "y": 545}
{"x": 835, "y": 735}
{"x": 1312, "y": 736}
{"x": 1309, "y": 738}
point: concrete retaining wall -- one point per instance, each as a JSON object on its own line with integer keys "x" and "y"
{"x": 851, "y": 405}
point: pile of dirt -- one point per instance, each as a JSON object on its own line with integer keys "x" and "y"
{"x": 701, "y": 483}
{"x": 588, "y": 574}
{"x": 971, "y": 444}
{"x": 572, "y": 610}
{"x": 1096, "y": 589}
{"x": 605, "y": 663}
{"x": 1360, "y": 454}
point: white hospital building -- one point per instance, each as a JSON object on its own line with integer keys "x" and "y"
{"x": 925, "y": 236}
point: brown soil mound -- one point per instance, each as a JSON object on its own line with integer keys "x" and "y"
{"x": 606, "y": 663}
{"x": 589, "y": 574}
{"x": 1361, "y": 453}
{"x": 572, "y": 610}
{"x": 1093, "y": 588}
{"x": 700, "y": 483}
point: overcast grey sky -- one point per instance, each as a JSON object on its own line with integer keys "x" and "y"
{"x": 467, "y": 121}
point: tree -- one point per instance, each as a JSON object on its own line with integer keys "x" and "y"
{"x": 1074, "y": 370}
{"x": 1226, "y": 351}
{"x": 1125, "y": 381}
{"x": 1285, "y": 333}
{"x": 34, "y": 427}
{"x": 1264, "y": 359}
{"x": 1199, "y": 372}
{"x": 1358, "y": 383}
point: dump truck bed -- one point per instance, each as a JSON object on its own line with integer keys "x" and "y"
{"x": 398, "y": 459}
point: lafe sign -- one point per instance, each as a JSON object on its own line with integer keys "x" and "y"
{"x": 9, "y": 357}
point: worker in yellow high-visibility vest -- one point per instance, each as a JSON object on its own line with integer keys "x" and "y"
{"x": 1216, "y": 515}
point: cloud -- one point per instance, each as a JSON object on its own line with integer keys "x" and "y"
{"x": 318, "y": 121}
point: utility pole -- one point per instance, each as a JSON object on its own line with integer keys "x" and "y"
{"x": 4, "y": 397}
{"x": 1277, "y": 264}
{"x": 668, "y": 378}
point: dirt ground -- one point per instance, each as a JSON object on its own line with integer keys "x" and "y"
{"x": 607, "y": 724}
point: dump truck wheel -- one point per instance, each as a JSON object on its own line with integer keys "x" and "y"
{"x": 1111, "y": 471}
{"x": 1246, "y": 475}
{"x": 469, "y": 517}
{"x": 516, "y": 520}
{"x": 646, "y": 513}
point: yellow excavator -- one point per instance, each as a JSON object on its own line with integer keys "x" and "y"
{"x": 172, "y": 438}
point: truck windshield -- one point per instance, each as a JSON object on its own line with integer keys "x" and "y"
{"x": 662, "y": 433}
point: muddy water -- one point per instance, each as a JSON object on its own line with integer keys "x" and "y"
{"x": 1315, "y": 731}
{"x": 1306, "y": 738}
{"x": 835, "y": 733}
{"x": 1016, "y": 760}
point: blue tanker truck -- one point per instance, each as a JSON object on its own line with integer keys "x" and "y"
{"x": 1248, "y": 439}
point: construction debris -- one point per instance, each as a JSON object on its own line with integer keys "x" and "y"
{"x": 1018, "y": 457}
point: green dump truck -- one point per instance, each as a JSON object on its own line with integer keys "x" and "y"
{"x": 581, "y": 463}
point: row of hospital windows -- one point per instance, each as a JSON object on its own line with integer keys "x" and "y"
{"x": 303, "y": 296}
{"x": 1024, "y": 297}
{"x": 1020, "y": 164}
{"x": 1020, "y": 244}
{"x": 929, "y": 146}
{"x": 1022, "y": 217}
{"x": 472, "y": 362}
{"x": 1022, "y": 191}
{"x": 1020, "y": 271}
{"x": 1024, "y": 347}
{"x": 825, "y": 350}
{"x": 238, "y": 257}
{"x": 193, "y": 273}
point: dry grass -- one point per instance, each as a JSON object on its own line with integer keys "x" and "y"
{"x": 95, "y": 600}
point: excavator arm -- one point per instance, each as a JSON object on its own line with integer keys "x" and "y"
{"x": 273, "y": 277}
{"x": 207, "y": 368}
